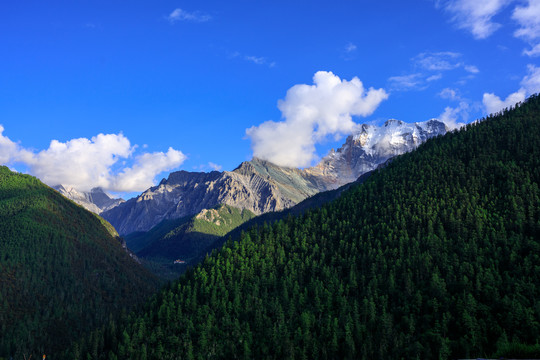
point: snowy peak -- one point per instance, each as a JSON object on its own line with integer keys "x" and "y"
{"x": 371, "y": 146}
{"x": 96, "y": 200}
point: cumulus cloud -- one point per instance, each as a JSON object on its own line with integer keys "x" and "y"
{"x": 8, "y": 149}
{"x": 475, "y": 16}
{"x": 183, "y": 15}
{"x": 528, "y": 18}
{"x": 456, "y": 117}
{"x": 86, "y": 163}
{"x": 141, "y": 175}
{"x": 311, "y": 113}
{"x": 530, "y": 84}
{"x": 493, "y": 103}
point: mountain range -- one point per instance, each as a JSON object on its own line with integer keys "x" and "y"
{"x": 261, "y": 186}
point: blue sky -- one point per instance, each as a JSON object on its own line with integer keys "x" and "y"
{"x": 175, "y": 84}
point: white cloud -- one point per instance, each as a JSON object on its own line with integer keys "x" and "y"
{"x": 407, "y": 82}
{"x": 429, "y": 67}
{"x": 8, "y": 149}
{"x": 311, "y": 113}
{"x": 350, "y": 47}
{"x": 260, "y": 60}
{"x": 528, "y": 18}
{"x": 456, "y": 117}
{"x": 449, "y": 94}
{"x": 141, "y": 175}
{"x": 214, "y": 166}
{"x": 81, "y": 163}
{"x": 493, "y": 103}
{"x": 535, "y": 51}
{"x": 472, "y": 69}
{"x": 530, "y": 84}
{"x": 438, "y": 61}
{"x": 86, "y": 163}
{"x": 475, "y": 16}
{"x": 434, "y": 77}
{"x": 183, "y": 15}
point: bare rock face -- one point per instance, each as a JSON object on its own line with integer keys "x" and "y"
{"x": 261, "y": 186}
{"x": 95, "y": 201}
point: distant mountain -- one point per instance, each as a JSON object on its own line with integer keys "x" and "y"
{"x": 257, "y": 185}
{"x": 260, "y": 186}
{"x": 96, "y": 200}
{"x": 63, "y": 270}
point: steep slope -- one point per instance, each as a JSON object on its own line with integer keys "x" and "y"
{"x": 95, "y": 201}
{"x": 434, "y": 256}
{"x": 62, "y": 273}
{"x": 260, "y": 186}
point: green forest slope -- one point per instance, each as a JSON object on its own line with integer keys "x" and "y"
{"x": 185, "y": 239}
{"x": 62, "y": 272}
{"x": 435, "y": 256}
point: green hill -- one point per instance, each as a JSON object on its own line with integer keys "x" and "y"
{"x": 62, "y": 270}
{"x": 185, "y": 239}
{"x": 435, "y": 256}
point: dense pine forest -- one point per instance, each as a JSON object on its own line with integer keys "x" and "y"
{"x": 62, "y": 270}
{"x": 435, "y": 256}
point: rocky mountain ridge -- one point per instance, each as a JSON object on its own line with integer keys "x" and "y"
{"x": 260, "y": 186}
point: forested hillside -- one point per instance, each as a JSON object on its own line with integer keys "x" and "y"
{"x": 185, "y": 239}
{"x": 62, "y": 272}
{"x": 435, "y": 256}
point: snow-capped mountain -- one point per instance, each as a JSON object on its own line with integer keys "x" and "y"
{"x": 261, "y": 186}
{"x": 372, "y": 146}
{"x": 96, "y": 200}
